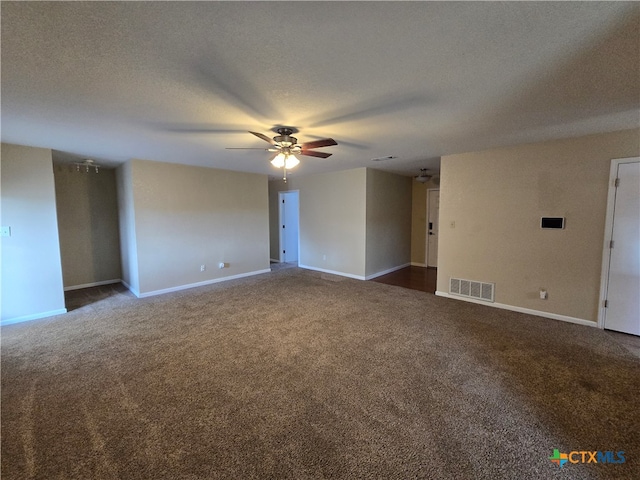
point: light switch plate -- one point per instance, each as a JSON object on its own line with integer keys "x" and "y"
{"x": 5, "y": 231}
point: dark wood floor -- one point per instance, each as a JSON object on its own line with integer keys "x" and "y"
{"x": 415, "y": 278}
{"x": 74, "y": 299}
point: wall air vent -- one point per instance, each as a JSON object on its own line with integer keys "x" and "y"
{"x": 472, "y": 289}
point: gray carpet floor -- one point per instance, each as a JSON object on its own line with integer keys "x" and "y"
{"x": 302, "y": 375}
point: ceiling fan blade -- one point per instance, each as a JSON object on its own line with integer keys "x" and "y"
{"x": 243, "y": 148}
{"x": 313, "y": 153}
{"x": 347, "y": 143}
{"x": 324, "y": 142}
{"x": 264, "y": 137}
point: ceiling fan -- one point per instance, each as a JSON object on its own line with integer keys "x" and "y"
{"x": 425, "y": 176}
{"x": 286, "y": 147}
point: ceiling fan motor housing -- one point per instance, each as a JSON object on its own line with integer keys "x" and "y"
{"x": 285, "y": 139}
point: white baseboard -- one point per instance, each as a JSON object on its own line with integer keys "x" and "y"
{"x": 94, "y": 284}
{"x": 332, "y": 272}
{"x": 198, "y": 284}
{"x": 539, "y": 313}
{"x": 131, "y": 289}
{"x": 274, "y": 260}
{"x": 35, "y": 316}
{"x": 416, "y": 264}
{"x": 389, "y": 270}
{"x": 351, "y": 275}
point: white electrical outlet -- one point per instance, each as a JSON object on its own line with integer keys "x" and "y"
{"x": 203, "y": 267}
{"x": 543, "y": 294}
{"x": 221, "y": 265}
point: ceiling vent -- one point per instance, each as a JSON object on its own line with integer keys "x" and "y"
{"x": 382, "y": 159}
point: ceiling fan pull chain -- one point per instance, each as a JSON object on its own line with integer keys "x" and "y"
{"x": 284, "y": 178}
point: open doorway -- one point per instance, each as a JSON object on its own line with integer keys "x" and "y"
{"x": 289, "y": 218}
{"x": 88, "y": 230}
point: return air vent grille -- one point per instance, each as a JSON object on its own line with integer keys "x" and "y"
{"x": 472, "y": 289}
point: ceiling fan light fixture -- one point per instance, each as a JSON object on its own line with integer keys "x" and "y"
{"x": 290, "y": 162}
{"x": 278, "y": 161}
{"x": 423, "y": 177}
{"x": 284, "y": 160}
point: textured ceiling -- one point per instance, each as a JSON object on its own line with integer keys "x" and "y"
{"x": 180, "y": 81}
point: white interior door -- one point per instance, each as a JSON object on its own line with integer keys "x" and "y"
{"x": 289, "y": 228}
{"x": 433, "y": 206}
{"x": 623, "y": 289}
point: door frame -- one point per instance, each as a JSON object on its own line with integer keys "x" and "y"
{"x": 426, "y": 230}
{"x": 280, "y": 219}
{"x": 608, "y": 232}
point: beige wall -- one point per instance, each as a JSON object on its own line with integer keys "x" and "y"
{"x": 88, "y": 224}
{"x": 187, "y": 216}
{"x": 332, "y": 221}
{"x": 496, "y": 199}
{"x": 419, "y": 221}
{"x": 354, "y": 222}
{"x": 388, "y": 223}
{"x": 31, "y": 272}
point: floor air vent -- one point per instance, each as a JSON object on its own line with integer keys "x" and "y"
{"x": 469, "y": 288}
